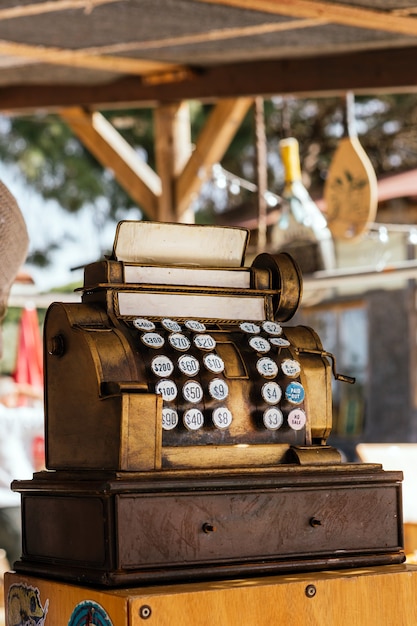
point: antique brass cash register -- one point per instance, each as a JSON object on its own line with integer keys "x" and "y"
{"x": 186, "y": 425}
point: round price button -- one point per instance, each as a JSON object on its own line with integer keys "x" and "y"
{"x": 194, "y": 325}
{"x": 213, "y": 363}
{"x": 171, "y": 325}
{"x": 291, "y": 368}
{"x": 296, "y": 419}
{"x": 222, "y": 417}
{"x": 143, "y": 324}
{"x": 272, "y": 328}
{"x": 188, "y": 364}
{"x": 280, "y": 342}
{"x": 267, "y": 367}
{"x": 259, "y": 344}
{"x": 193, "y": 419}
{"x": 169, "y": 419}
{"x": 271, "y": 392}
{"x": 295, "y": 393}
{"x": 153, "y": 340}
{"x": 273, "y": 419}
{"x": 162, "y": 366}
{"x": 192, "y": 391}
{"x": 179, "y": 342}
{"x": 250, "y": 328}
{"x": 204, "y": 342}
{"x": 218, "y": 389}
{"x": 167, "y": 389}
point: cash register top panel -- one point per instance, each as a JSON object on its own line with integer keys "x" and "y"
{"x": 177, "y": 357}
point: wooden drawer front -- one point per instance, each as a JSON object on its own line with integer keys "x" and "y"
{"x": 174, "y": 530}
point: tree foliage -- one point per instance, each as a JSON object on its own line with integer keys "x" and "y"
{"x": 54, "y": 162}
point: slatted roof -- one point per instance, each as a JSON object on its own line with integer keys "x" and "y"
{"x": 57, "y": 53}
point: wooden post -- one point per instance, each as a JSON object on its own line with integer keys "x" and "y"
{"x": 172, "y": 150}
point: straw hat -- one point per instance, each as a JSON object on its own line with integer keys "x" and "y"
{"x": 14, "y": 243}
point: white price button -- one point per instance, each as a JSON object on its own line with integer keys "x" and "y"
{"x": 213, "y": 363}
{"x": 153, "y": 340}
{"x": 171, "y": 325}
{"x": 167, "y": 389}
{"x": 169, "y": 419}
{"x": 272, "y": 328}
{"x": 143, "y": 324}
{"x": 197, "y": 327}
{"x": 192, "y": 391}
{"x": 193, "y": 419}
{"x": 162, "y": 366}
{"x": 259, "y": 344}
{"x": 273, "y": 419}
{"x": 280, "y": 342}
{"x": 271, "y": 393}
{"x": 204, "y": 342}
{"x": 188, "y": 365}
{"x": 218, "y": 389}
{"x": 179, "y": 342}
{"x": 291, "y": 367}
{"x": 296, "y": 419}
{"x": 267, "y": 367}
{"x": 222, "y": 417}
{"x": 250, "y": 328}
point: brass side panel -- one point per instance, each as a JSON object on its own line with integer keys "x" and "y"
{"x": 141, "y": 440}
{"x": 316, "y": 377}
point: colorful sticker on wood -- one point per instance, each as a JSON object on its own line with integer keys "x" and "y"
{"x": 24, "y": 606}
{"x": 89, "y": 613}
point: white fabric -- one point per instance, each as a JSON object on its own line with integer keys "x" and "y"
{"x": 18, "y": 427}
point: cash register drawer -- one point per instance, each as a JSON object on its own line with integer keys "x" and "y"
{"x": 205, "y": 529}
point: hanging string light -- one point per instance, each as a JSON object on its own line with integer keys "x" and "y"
{"x": 224, "y": 179}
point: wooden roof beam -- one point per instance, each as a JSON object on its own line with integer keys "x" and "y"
{"x": 213, "y": 141}
{"x": 113, "y": 152}
{"x": 334, "y": 12}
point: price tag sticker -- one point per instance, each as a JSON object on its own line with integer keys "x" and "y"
{"x": 167, "y": 389}
{"x": 273, "y": 419}
{"x": 272, "y": 328}
{"x": 143, "y": 324}
{"x": 179, "y": 342}
{"x": 169, "y": 419}
{"x": 295, "y": 393}
{"x": 259, "y": 344}
{"x": 192, "y": 391}
{"x": 194, "y": 325}
{"x": 193, "y": 419}
{"x": 218, "y": 389}
{"x": 162, "y": 366}
{"x": 213, "y": 363}
{"x": 291, "y": 368}
{"x": 171, "y": 325}
{"x": 222, "y": 417}
{"x": 296, "y": 419}
{"x": 153, "y": 340}
{"x": 188, "y": 364}
{"x": 204, "y": 342}
{"x": 271, "y": 392}
{"x": 267, "y": 367}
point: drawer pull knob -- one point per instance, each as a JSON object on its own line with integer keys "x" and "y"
{"x": 209, "y": 528}
{"x": 314, "y": 522}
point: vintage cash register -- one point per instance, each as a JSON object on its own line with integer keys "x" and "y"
{"x": 186, "y": 425}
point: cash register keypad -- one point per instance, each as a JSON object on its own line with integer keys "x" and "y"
{"x": 186, "y": 369}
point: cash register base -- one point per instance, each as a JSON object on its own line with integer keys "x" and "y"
{"x": 373, "y": 596}
{"x": 118, "y": 529}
